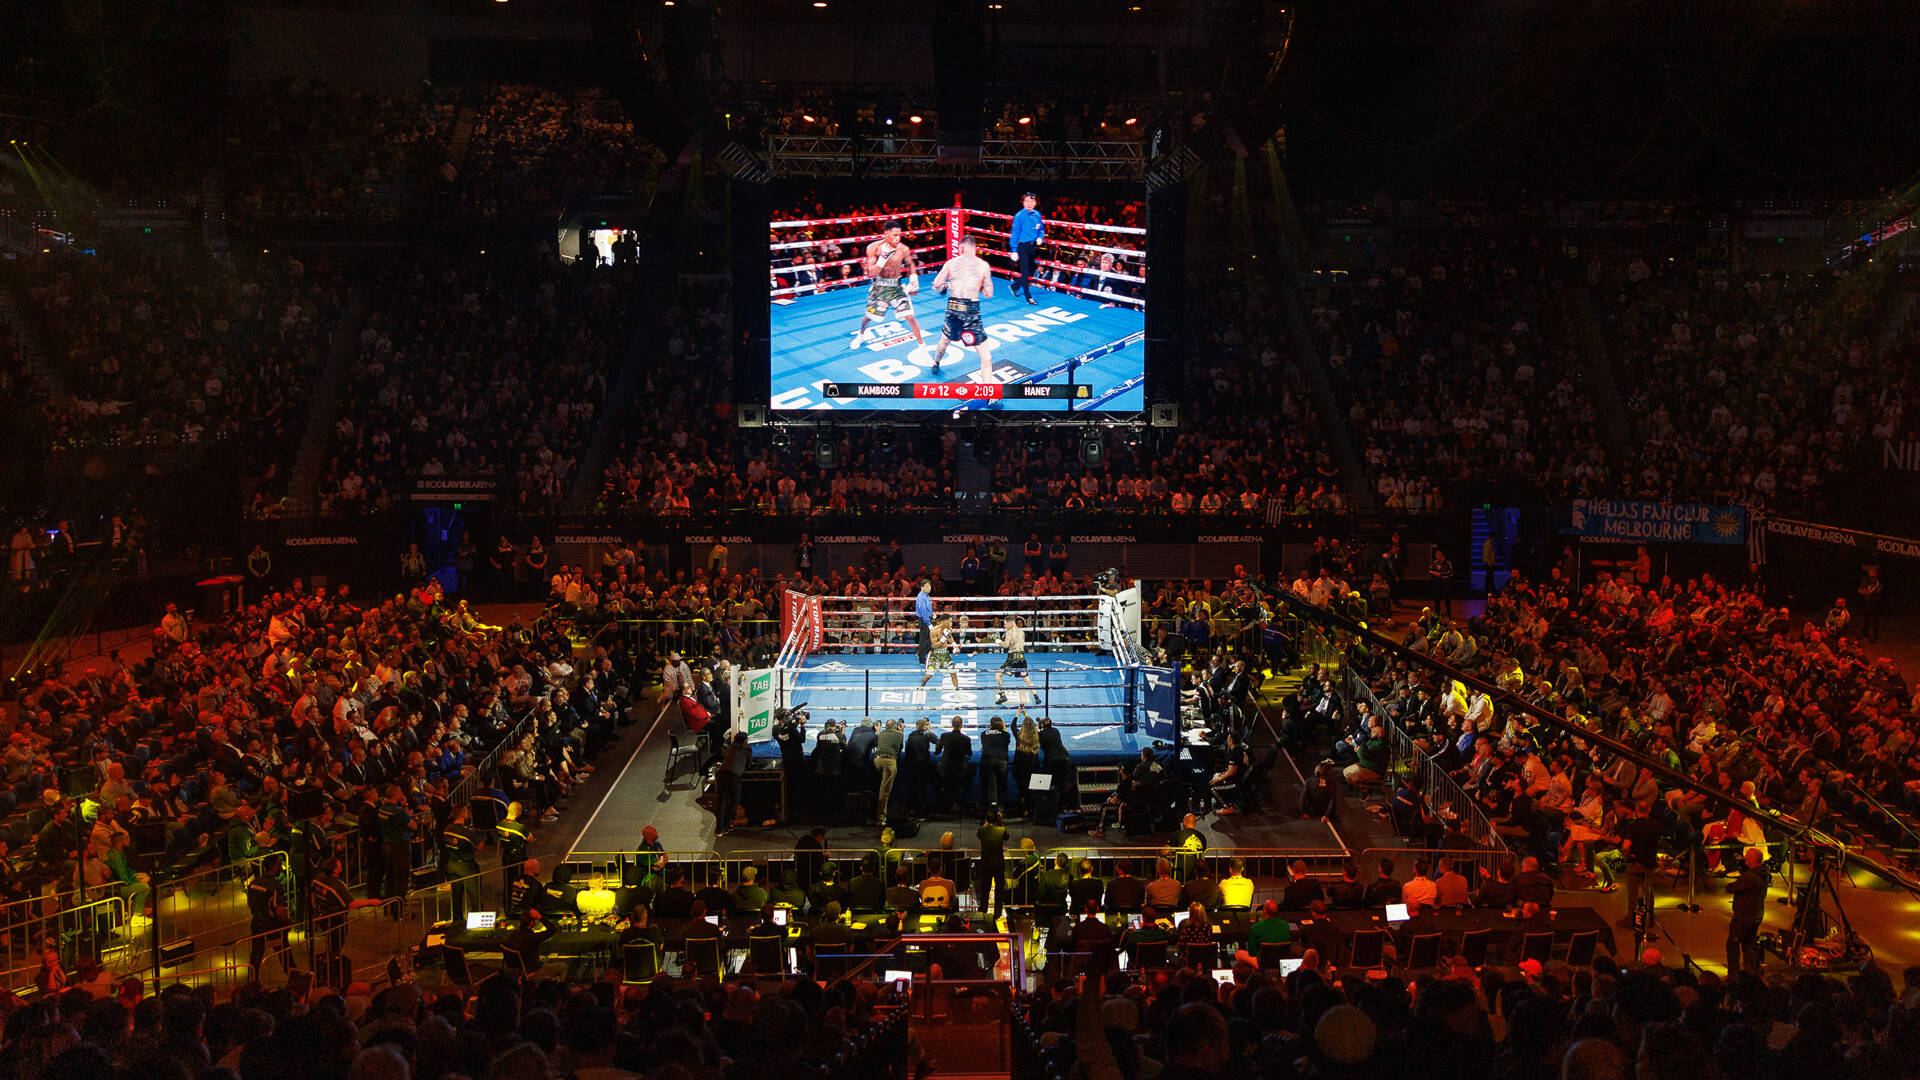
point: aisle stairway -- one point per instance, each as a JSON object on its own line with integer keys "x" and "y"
{"x": 1600, "y": 385}
{"x": 462, "y": 138}
{"x": 303, "y": 490}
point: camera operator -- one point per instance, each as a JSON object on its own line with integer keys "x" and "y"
{"x": 790, "y": 734}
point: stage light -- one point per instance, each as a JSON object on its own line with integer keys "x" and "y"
{"x": 1132, "y": 120}
{"x": 807, "y": 118}
{"x": 819, "y": 3}
{"x": 889, "y": 121}
{"x": 1026, "y": 119}
{"x": 913, "y": 119}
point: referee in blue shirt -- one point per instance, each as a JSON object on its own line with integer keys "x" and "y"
{"x": 923, "y": 614}
{"x": 1028, "y": 233}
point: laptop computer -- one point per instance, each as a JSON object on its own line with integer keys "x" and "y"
{"x": 1396, "y": 913}
{"x": 482, "y": 920}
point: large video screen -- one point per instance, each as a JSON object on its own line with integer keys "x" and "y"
{"x": 923, "y": 296}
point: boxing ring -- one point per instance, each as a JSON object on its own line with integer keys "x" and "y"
{"x": 849, "y": 658}
{"x": 1088, "y": 334}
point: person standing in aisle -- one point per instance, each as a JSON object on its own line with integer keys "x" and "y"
{"x": 1441, "y": 571}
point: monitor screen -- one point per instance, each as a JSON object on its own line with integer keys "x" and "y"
{"x": 899, "y": 976}
{"x": 714, "y": 919}
{"x": 1223, "y": 976}
{"x": 1134, "y": 921}
{"x": 1288, "y": 967}
{"x": 1396, "y": 913}
{"x": 779, "y": 916}
{"x": 907, "y": 296}
{"x": 482, "y": 920}
{"x": 1180, "y": 918}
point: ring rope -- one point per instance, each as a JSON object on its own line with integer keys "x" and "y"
{"x": 1127, "y": 229}
{"x": 901, "y": 216}
{"x": 791, "y": 244}
{"x": 1135, "y": 252}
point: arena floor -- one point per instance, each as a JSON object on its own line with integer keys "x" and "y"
{"x": 811, "y": 334}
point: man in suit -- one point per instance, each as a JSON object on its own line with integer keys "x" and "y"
{"x": 856, "y": 761}
{"x": 866, "y": 892}
{"x": 956, "y": 759}
{"x": 1054, "y": 882}
{"x": 830, "y": 936}
{"x": 1125, "y": 892}
{"x": 901, "y": 895}
{"x": 995, "y": 743}
{"x": 1054, "y": 759}
{"x": 1301, "y": 890}
{"x": 917, "y": 766}
{"x": 990, "y": 870}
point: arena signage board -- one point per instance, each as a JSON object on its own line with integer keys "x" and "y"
{"x": 1828, "y": 534}
{"x": 455, "y": 488}
{"x": 1652, "y": 522}
{"x": 753, "y": 703}
{"x": 1160, "y": 695}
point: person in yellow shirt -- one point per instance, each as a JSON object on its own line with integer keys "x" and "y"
{"x": 1236, "y": 889}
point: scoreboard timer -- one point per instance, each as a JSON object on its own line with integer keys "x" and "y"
{"x": 958, "y": 391}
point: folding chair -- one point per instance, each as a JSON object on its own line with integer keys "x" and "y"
{"x": 1473, "y": 946}
{"x": 676, "y": 754}
{"x": 1149, "y": 955}
{"x": 1536, "y": 947}
{"x": 1272, "y": 952}
{"x": 706, "y": 955}
{"x": 1205, "y": 957}
{"x": 639, "y": 962}
{"x": 1368, "y": 948}
{"x": 1423, "y": 951}
{"x": 1581, "y": 947}
{"x": 767, "y": 953}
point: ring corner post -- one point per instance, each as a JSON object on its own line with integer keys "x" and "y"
{"x": 956, "y": 225}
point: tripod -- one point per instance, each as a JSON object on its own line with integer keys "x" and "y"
{"x": 1810, "y": 917}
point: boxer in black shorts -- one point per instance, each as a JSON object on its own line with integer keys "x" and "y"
{"x": 967, "y": 279}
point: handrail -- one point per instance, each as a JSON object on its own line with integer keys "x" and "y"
{"x": 1792, "y": 827}
{"x": 1433, "y": 779}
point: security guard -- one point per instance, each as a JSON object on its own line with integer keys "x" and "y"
{"x": 513, "y": 847}
{"x": 461, "y": 849}
{"x": 331, "y": 899}
{"x": 396, "y": 847}
{"x": 1031, "y": 555}
{"x": 310, "y": 849}
{"x": 268, "y": 913}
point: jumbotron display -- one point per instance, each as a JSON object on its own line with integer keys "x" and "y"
{"x": 988, "y": 298}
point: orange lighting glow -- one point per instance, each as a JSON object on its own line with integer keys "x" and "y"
{"x": 913, "y": 119}
{"x": 1026, "y": 119}
{"x": 1132, "y": 120}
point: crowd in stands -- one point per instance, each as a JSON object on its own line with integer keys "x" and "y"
{"x": 1454, "y": 365}
{"x": 315, "y": 151}
{"x": 480, "y": 366}
{"x": 383, "y": 711}
{"x": 535, "y": 147}
{"x": 1702, "y": 675}
{"x": 505, "y": 1029}
{"x": 1646, "y": 1019}
{"x": 1749, "y": 387}
{"x": 169, "y": 347}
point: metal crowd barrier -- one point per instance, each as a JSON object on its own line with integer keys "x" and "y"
{"x": 1443, "y": 795}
